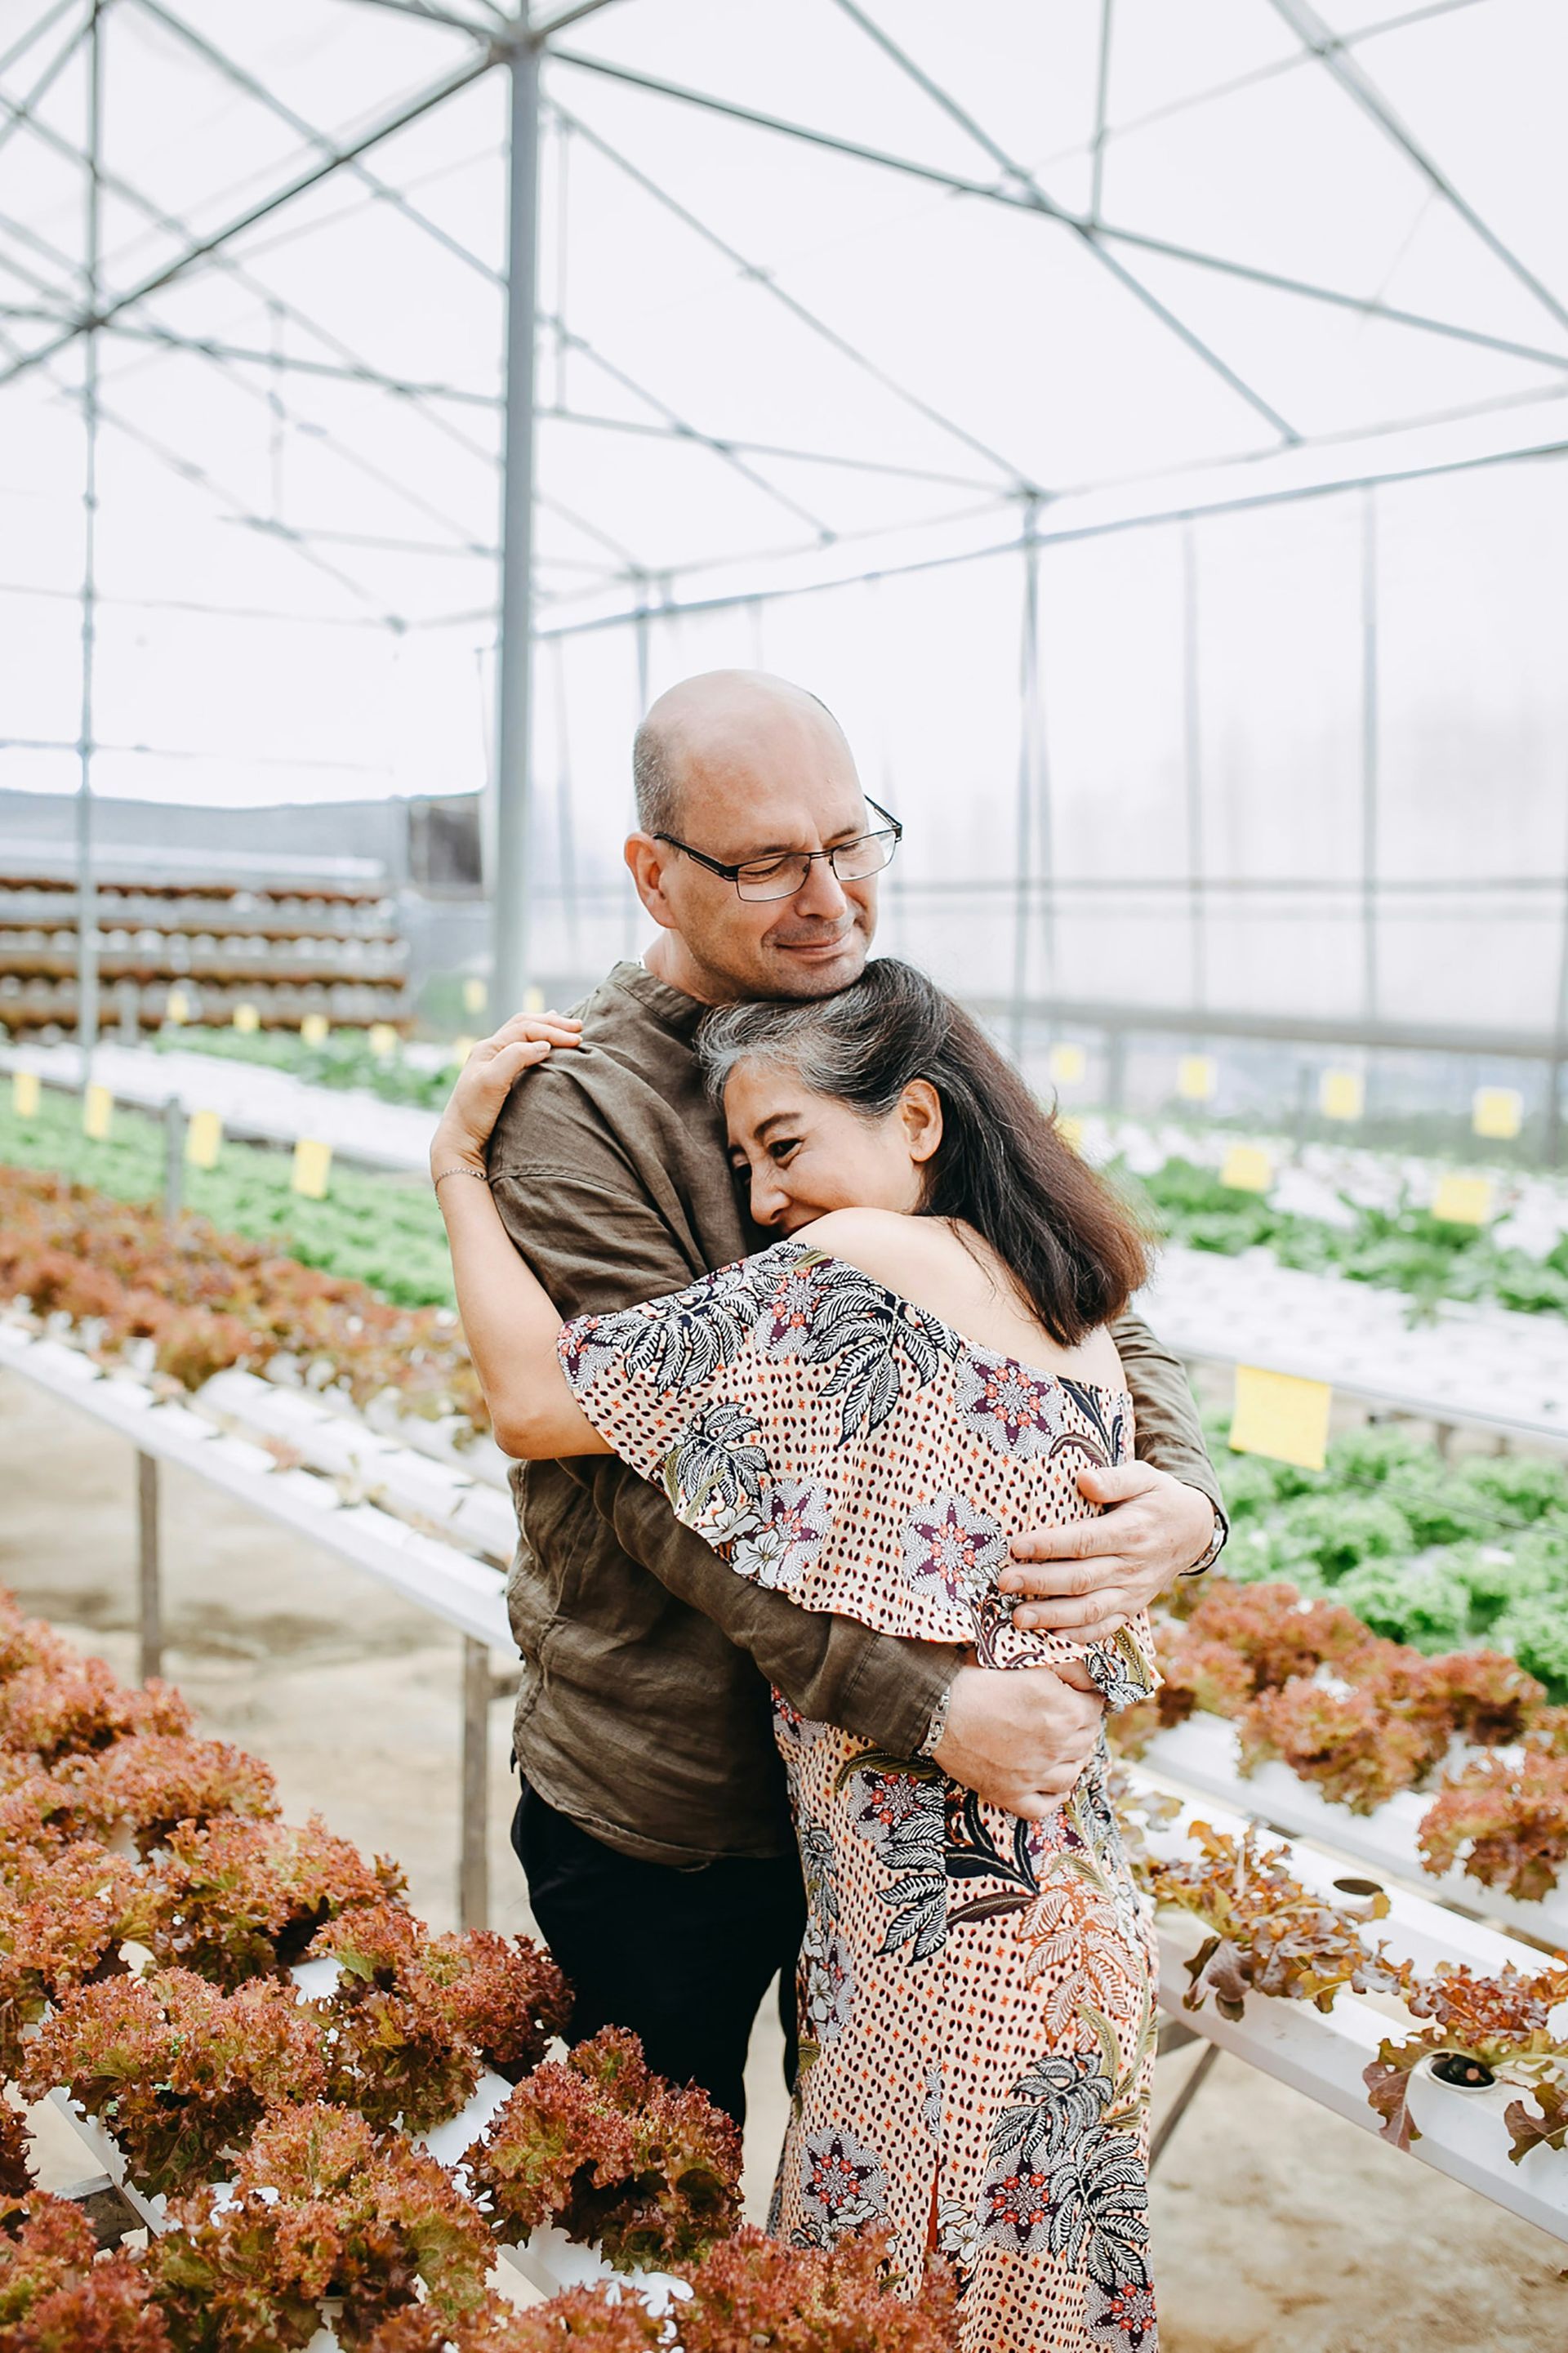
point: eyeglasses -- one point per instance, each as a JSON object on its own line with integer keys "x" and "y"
{"x": 787, "y": 871}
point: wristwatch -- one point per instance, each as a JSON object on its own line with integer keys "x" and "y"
{"x": 937, "y": 1728}
{"x": 1214, "y": 1547}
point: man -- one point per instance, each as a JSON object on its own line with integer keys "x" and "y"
{"x": 653, "y": 1826}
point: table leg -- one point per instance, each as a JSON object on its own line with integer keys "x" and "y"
{"x": 149, "y": 1567}
{"x": 473, "y": 1871}
{"x": 1181, "y": 2104}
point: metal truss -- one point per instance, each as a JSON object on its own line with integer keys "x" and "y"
{"x": 66, "y": 301}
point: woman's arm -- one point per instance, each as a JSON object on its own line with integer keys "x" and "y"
{"x": 510, "y": 1323}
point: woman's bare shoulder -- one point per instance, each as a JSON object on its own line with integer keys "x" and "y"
{"x": 884, "y": 1244}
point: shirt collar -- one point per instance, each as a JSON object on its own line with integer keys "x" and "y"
{"x": 671, "y": 1007}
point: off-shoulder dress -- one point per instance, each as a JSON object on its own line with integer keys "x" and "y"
{"x": 976, "y": 1992}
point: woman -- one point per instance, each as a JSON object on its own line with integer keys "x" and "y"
{"x": 860, "y": 1416}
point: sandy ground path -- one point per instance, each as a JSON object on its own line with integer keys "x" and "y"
{"x": 1277, "y": 2227}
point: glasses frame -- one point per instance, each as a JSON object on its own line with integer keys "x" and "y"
{"x": 732, "y": 874}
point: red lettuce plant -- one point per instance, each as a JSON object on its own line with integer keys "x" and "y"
{"x": 393, "y": 2053}
{"x": 15, "y": 2165}
{"x": 58, "y": 2295}
{"x": 1483, "y": 2029}
{"x": 1240, "y": 1642}
{"x": 179, "y": 2072}
{"x": 216, "y": 1300}
{"x": 416, "y": 2013}
{"x": 56, "y": 2298}
{"x": 66, "y": 1704}
{"x": 1356, "y": 1747}
{"x": 1278, "y": 1634}
{"x": 584, "y": 2320}
{"x": 613, "y": 2155}
{"x": 322, "y": 2205}
{"x": 1267, "y": 1932}
{"x": 25, "y": 1641}
{"x": 236, "y": 1898}
{"x": 1512, "y": 1818}
{"x": 1483, "y": 1695}
{"x": 751, "y": 2290}
{"x": 503, "y": 1993}
{"x": 63, "y": 1916}
{"x": 35, "y": 1808}
{"x": 155, "y": 1780}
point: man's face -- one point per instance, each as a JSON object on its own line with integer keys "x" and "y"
{"x": 790, "y": 784}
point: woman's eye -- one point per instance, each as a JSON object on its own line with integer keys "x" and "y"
{"x": 784, "y": 1147}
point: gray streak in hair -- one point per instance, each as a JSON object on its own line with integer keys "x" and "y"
{"x": 834, "y": 1053}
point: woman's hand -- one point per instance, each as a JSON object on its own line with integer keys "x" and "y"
{"x": 487, "y": 1077}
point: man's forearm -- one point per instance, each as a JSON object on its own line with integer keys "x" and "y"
{"x": 831, "y": 1669}
{"x": 1169, "y": 1433}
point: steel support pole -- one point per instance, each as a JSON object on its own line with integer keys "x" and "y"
{"x": 1030, "y": 771}
{"x": 515, "y": 665}
{"x": 86, "y": 893}
{"x": 1193, "y": 769}
{"x": 473, "y": 1869}
{"x": 1369, "y": 750}
{"x": 149, "y": 1570}
{"x": 1552, "y": 1122}
{"x": 173, "y": 1161}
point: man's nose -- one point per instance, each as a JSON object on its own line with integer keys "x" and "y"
{"x": 821, "y": 896}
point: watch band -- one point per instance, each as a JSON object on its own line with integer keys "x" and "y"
{"x": 937, "y": 1728}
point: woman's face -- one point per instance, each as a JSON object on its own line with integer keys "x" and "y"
{"x": 805, "y": 1154}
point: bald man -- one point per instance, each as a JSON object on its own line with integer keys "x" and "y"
{"x": 653, "y": 1825}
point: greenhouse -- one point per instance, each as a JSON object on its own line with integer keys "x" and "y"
{"x": 604, "y": 507}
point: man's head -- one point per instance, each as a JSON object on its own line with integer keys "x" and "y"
{"x": 740, "y": 767}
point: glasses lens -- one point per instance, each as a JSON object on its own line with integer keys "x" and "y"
{"x": 855, "y": 860}
{"x": 773, "y": 878}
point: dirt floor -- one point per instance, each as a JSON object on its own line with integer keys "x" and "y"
{"x": 1275, "y": 2224}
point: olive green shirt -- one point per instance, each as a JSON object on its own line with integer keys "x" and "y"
{"x": 645, "y": 1712}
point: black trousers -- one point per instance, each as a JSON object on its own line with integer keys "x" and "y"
{"x": 683, "y": 1958}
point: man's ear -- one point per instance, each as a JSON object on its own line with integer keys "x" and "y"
{"x": 920, "y": 1110}
{"x": 645, "y": 860}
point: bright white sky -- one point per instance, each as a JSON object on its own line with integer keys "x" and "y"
{"x": 298, "y": 573}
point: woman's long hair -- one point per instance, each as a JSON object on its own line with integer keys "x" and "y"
{"x": 1002, "y": 1165}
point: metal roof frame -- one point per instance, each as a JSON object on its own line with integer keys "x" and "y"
{"x": 78, "y": 308}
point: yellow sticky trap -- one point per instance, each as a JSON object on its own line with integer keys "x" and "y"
{"x": 1277, "y": 1415}
{"x": 1497, "y": 1112}
{"x": 246, "y": 1020}
{"x": 1067, "y": 1064}
{"x": 97, "y": 1111}
{"x": 476, "y": 996}
{"x": 384, "y": 1039}
{"x": 313, "y": 1029}
{"x": 1196, "y": 1078}
{"x": 533, "y": 998}
{"x": 1071, "y": 1130}
{"x": 1463, "y": 1200}
{"x": 1247, "y": 1169}
{"x": 178, "y": 1009}
{"x": 461, "y": 1048}
{"x": 1341, "y": 1095}
{"x": 312, "y": 1168}
{"x": 203, "y": 1139}
{"x": 25, "y": 1094}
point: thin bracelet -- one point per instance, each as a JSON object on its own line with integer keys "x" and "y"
{"x": 437, "y": 1182}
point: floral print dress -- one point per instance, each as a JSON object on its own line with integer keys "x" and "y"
{"x": 976, "y": 1992}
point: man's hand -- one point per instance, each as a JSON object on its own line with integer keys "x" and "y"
{"x": 1090, "y": 1577}
{"x": 1020, "y": 1737}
